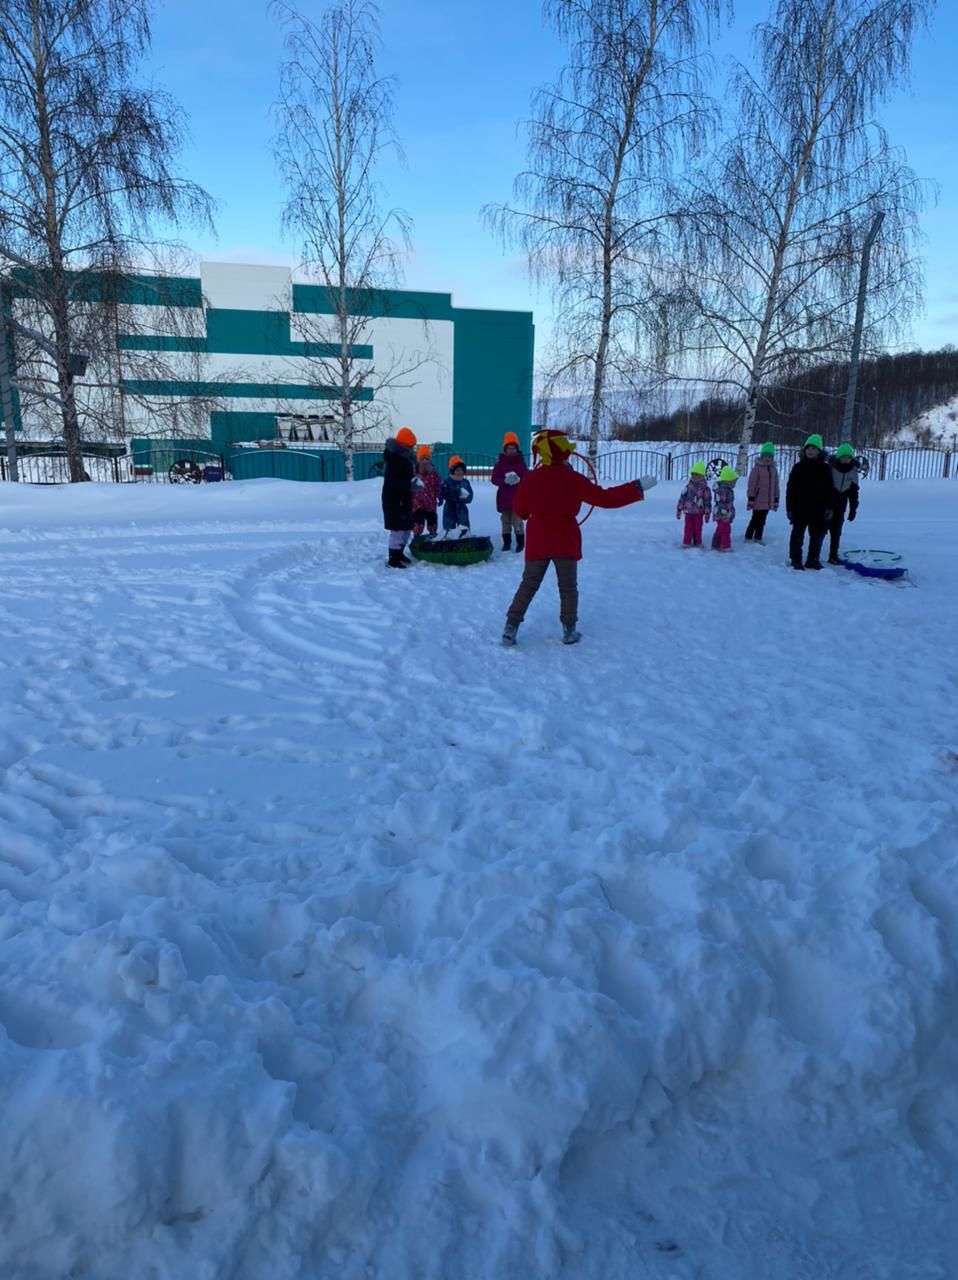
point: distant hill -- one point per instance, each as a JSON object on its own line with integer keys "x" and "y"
{"x": 912, "y": 396}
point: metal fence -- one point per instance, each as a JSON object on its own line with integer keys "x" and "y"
{"x": 165, "y": 463}
{"x": 53, "y": 467}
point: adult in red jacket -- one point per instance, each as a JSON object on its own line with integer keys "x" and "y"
{"x": 549, "y": 497}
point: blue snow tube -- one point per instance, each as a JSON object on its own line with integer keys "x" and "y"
{"x": 875, "y": 564}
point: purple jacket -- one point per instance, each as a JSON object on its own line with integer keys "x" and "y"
{"x": 764, "y": 490}
{"x": 506, "y": 492}
{"x": 695, "y": 499}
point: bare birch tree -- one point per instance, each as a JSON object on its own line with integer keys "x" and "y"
{"x": 780, "y": 222}
{"x": 85, "y": 174}
{"x": 334, "y": 127}
{"x": 595, "y": 203}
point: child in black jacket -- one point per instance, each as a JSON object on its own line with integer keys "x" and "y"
{"x": 808, "y": 503}
{"x": 400, "y": 463}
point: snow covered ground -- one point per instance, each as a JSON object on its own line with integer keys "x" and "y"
{"x": 338, "y": 942}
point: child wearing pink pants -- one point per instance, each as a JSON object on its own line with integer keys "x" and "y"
{"x": 724, "y": 509}
{"x": 695, "y": 503}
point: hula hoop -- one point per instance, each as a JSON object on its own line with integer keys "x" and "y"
{"x": 595, "y": 479}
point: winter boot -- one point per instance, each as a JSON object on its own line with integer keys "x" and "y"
{"x": 569, "y": 634}
{"x": 835, "y": 560}
{"x": 797, "y": 564}
{"x": 404, "y": 558}
{"x": 520, "y": 541}
{"x": 509, "y": 632}
{"x": 506, "y": 541}
{"x": 397, "y": 560}
{"x": 813, "y": 564}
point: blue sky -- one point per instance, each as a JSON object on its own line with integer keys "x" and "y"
{"x": 466, "y": 71}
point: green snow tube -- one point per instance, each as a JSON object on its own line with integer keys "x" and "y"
{"x": 468, "y": 550}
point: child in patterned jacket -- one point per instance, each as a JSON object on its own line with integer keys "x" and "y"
{"x": 724, "y": 509}
{"x": 695, "y": 503}
{"x": 426, "y": 486}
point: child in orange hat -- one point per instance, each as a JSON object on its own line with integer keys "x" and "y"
{"x": 455, "y": 496}
{"x": 399, "y": 458}
{"x": 426, "y": 485}
{"x": 509, "y": 469}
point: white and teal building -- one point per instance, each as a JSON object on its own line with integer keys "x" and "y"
{"x": 247, "y": 340}
{"x": 237, "y": 350}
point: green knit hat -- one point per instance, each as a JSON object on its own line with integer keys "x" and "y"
{"x": 727, "y": 476}
{"x": 844, "y": 451}
{"x": 816, "y": 441}
{"x": 698, "y": 468}
{"x": 767, "y": 450}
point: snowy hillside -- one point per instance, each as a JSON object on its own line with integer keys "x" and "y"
{"x": 939, "y": 426}
{"x": 338, "y": 942}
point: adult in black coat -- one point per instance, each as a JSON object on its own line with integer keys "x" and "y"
{"x": 400, "y": 460}
{"x": 808, "y": 503}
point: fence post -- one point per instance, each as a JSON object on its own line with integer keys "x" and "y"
{"x": 881, "y": 467}
{"x": 668, "y": 466}
{"x": 947, "y": 466}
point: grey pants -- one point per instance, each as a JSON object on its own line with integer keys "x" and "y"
{"x": 567, "y": 577}
{"x": 510, "y": 521}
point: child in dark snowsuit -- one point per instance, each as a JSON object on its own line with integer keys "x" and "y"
{"x": 695, "y": 503}
{"x": 763, "y": 492}
{"x": 426, "y": 486}
{"x": 509, "y": 469}
{"x": 808, "y": 503}
{"x": 844, "y": 471}
{"x": 397, "y": 494}
{"x": 549, "y": 498}
{"x": 455, "y": 496}
{"x": 723, "y": 509}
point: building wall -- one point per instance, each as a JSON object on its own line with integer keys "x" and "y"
{"x": 462, "y": 376}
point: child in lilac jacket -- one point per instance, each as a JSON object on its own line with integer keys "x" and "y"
{"x": 695, "y": 503}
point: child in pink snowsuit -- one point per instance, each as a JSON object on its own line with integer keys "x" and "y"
{"x": 426, "y": 483}
{"x": 695, "y": 503}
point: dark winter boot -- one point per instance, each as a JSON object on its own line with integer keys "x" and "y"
{"x": 404, "y": 558}
{"x": 835, "y": 560}
{"x": 509, "y": 632}
{"x": 813, "y": 564}
{"x": 797, "y": 564}
{"x": 569, "y": 634}
{"x": 397, "y": 560}
{"x": 520, "y": 541}
{"x": 506, "y": 541}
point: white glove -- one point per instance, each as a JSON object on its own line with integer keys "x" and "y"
{"x": 647, "y": 482}
{"x": 463, "y": 492}
{"x": 418, "y": 482}
{"x": 511, "y": 478}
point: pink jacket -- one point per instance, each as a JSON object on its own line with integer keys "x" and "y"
{"x": 426, "y": 498}
{"x": 764, "y": 491}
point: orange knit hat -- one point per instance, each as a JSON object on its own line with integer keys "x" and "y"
{"x": 423, "y": 452}
{"x": 510, "y": 438}
{"x": 456, "y": 461}
{"x": 406, "y": 437}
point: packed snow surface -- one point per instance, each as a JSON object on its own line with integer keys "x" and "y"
{"x": 338, "y": 942}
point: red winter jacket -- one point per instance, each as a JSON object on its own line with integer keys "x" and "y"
{"x": 550, "y": 498}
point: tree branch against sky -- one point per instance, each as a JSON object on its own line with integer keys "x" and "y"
{"x": 334, "y": 129}
{"x": 595, "y": 204}
{"x": 85, "y": 172}
{"x": 780, "y": 219}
